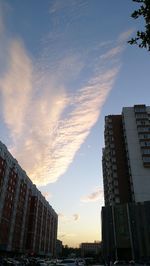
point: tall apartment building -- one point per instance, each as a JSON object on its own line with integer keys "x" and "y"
{"x": 28, "y": 224}
{"x": 126, "y": 178}
{"x": 115, "y": 171}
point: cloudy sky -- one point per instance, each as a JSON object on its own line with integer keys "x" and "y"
{"x": 64, "y": 65}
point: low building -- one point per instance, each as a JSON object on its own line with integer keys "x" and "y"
{"x": 126, "y": 231}
{"x": 28, "y": 224}
{"x": 90, "y": 249}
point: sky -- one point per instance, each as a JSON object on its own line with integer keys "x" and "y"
{"x": 64, "y": 66}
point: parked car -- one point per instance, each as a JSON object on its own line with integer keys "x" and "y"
{"x": 41, "y": 263}
{"x": 69, "y": 262}
{"x": 131, "y": 262}
{"x": 81, "y": 262}
{"x": 120, "y": 262}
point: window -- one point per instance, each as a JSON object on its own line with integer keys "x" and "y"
{"x": 137, "y": 115}
{"x": 146, "y": 159}
{"x": 146, "y": 151}
{"x": 144, "y": 136}
{"x": 117, "y": 200}
{"x": 145, "y": 143}
{"x": 143, "y": 129}
{"x": 140, "y": 108}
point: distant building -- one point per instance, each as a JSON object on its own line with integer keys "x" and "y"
{"x": 90, "y": 249}
{"x": 28, "y": 224}
{"x": 126, "y": 178}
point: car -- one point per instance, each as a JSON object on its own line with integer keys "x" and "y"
{"x": 41, "y": 263}
{"x": 131, "y": 262}
{"x": 61, "y": 264}
{"x": 69, "y": 262}
{"x": 50, "y": 263}
{"x": 120, "y": 262}
{"x": 81, "y": 262}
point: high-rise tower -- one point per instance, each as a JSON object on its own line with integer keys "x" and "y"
{"x": 126, "y": 156}
{"x": 126, "y": 178}
{"x": 115, "y": 170}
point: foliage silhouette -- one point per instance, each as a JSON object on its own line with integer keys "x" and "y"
{"x": 142, "y": 38}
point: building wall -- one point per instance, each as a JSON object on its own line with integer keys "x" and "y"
{"x": 59, "y": 248}
{"x": 127, "y": 150}
{"x": 115, "y": 171}
{"x": 126, "y": 231}
{"x": 108, "y": 234}
{"x": 138, "y": 172}
{"x": 27, "y": 222}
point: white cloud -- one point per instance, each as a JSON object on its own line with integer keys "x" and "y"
{"x": 48, "y": 139}
{"x": 112, "y": 53}
{"x": 49, "y": 121}
{"x": 16, "y": 87}
{"x": 96, "y": 195}
{"x": 58, "y": 5}
{"x": 67, "y": 219}
{"x": 123, "y": 37}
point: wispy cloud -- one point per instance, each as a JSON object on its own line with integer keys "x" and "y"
{"x": 46, "y": 194}
{"x": 67, "y": 219}
{"x": 112, "y": 53}
{"x": 57, "y": 5}
{"x": 66, "y": 236}
{"x": 16, "y": 88}
{"x": 96, "y": 195}
{"x": 51, "y": 107}
{"x": 46, "y": 136}
{"x": 63, "y": 218}
{"x": 76, "y": 217}
{"x": 123, "y": 37}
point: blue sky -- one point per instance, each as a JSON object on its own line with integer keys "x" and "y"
{"x": 64, "y": 65}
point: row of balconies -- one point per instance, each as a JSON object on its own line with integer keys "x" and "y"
{"x": 143, "y": 128}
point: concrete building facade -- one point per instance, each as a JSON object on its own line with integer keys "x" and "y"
{"x": 136, "y": 124}
{"x": 126, "y": 231}
{"x": 126, "y": 178}
{"x": 28, "y": 224}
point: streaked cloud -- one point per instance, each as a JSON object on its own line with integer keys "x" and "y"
{"x": 115, "y": 51}
{"x": 67, "y": 219}
{"x": 96, "y": 195}
{"x": 46, "y": 136}
{"x": 50, "y": 107}
{"x": 58, "y": 5}
{"x": 66, "y": 235}
{"x": 112, "y": 53}
{"x": 123, "y": 37}
{"x": 16, "y": 87}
